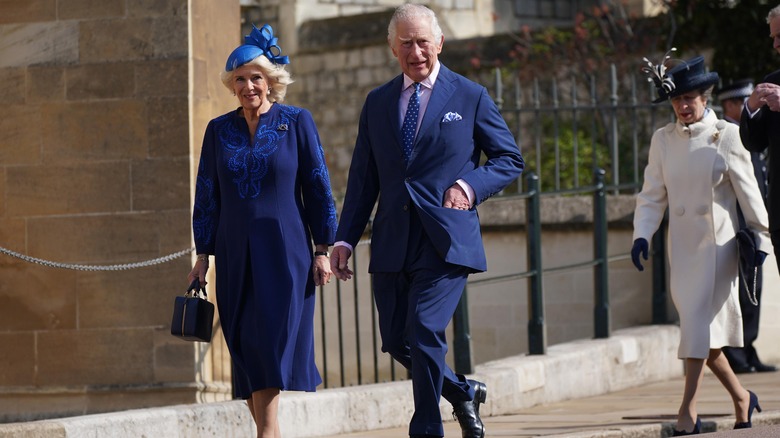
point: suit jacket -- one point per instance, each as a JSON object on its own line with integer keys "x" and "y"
{"x": 446, "y": 149}
{"x": 761, "y": 132}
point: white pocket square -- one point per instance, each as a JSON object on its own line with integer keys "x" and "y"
{"x": 451, "y": 117}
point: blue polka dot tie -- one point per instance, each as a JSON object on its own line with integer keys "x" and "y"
{"x": 409, "y": 128}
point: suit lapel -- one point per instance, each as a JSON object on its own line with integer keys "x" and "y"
{"x": 393, "y": 96}
{"x": 443, "y": 90}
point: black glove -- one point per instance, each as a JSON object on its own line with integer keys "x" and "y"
{"x": 760, "y": 257}
{"x": 640, "y": 247}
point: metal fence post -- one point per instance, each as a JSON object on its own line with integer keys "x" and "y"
{"x": 601, "y": 316}
{"x": 461, "y": 344}
{"x": 537, "y": 332}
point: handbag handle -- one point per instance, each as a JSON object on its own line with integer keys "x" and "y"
{"x": 199, "y": 292}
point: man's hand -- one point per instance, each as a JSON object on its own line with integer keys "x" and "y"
{"x": 339, "y": 262}
{"x": 765, "y": 94}
{"x": 455, "y": 197}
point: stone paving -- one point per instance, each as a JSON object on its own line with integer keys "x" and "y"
{"x": 644, "y": 411}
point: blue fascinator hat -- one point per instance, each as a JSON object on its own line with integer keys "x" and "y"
{"x": 686, "y": 76}
{"x": 259, "y": 42}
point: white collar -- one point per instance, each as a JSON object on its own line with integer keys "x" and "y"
{"x": 427, "y": 82}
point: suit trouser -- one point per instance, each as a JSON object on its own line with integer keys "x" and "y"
{"x": 746, "y": 356}
{"x": 415, "y": 306}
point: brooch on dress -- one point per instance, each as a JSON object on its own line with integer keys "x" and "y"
{"x": 282, "y": 127}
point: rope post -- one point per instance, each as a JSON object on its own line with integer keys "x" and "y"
{"x": 537, "y": 331}
{"x": 601, "y": 316}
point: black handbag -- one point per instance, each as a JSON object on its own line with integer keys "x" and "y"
{"x": 748, "y": 269}
{"x": 193, "y": 315}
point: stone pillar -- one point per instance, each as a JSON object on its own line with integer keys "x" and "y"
{"x": 104, "y": 108}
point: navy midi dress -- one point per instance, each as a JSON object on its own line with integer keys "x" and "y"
{"x": 258, "y": 207}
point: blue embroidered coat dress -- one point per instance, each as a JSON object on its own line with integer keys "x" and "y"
{"x": 258, "y": 207}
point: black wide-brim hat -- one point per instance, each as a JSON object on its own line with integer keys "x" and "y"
{"x": 687, "y": 76}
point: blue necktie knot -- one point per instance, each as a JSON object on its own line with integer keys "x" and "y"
{"x": 409, "y": 127}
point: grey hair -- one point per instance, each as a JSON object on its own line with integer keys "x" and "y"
{"x": 774, "y": 13}
{"x": 408, "y": 11}
{"x": 276, "y": 75}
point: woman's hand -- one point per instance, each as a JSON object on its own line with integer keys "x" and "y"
{"x": 321, "y": 270}
{"x": 199, "y": 272}
{"x": 640, "y": 247}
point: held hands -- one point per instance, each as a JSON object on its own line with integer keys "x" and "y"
{"x": 455, "y": 197}
{"x": 339, "y": 262}
{"x": 640, "y": 247}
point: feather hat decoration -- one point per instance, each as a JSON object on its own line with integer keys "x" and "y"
{"x": 685, "y": 77}
{"x": 657, "y": 74}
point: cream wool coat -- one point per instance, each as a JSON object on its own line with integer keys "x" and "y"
{"x": 700, "y": 172}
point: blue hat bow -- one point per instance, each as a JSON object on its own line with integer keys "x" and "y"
{"x": 259, "y": 42}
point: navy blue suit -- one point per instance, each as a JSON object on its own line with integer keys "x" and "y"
{"x": 759, "y": 133}
{"x": 421, "y": 252}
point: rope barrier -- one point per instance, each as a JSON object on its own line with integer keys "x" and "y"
{"x": 117, "y": 267}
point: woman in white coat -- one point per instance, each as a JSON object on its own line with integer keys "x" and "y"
{"x": 698, "y": 168}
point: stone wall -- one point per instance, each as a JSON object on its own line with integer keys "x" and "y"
{"x": 103, "y": 107}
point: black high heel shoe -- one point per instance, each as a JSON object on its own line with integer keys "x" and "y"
{"x": 696, "y": 429}
{"x": 753, "y": 405}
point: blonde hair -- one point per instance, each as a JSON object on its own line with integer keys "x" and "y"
{"x": 276, "y": 75}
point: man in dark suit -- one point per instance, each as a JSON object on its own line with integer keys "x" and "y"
{"x": 745, "y": 359}
{"x": 759, "y": 129}
{"x": 419, "y": 144}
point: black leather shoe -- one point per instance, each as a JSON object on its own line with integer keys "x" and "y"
{"x": 743, "y": 369}
{"x": 467, "y": 412}
{"x": 763, "y": 368}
